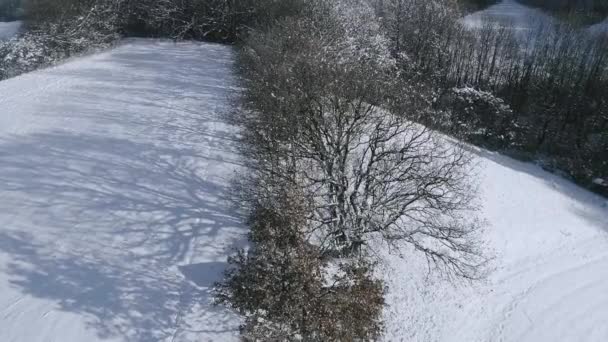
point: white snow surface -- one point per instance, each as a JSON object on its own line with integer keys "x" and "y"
{"x": 9, "y": 29}
{"x": 599, "y": 28}
{"x": 113, "y": 227}
{"x": 113, "y": 170}
{"x": 548, "y": 280}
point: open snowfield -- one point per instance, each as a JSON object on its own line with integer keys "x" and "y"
{"x": 112, "y": 225}
{"x": 9, "y": 29}
{"x": 548, "y": 281}
{"x": 112, "y": 170}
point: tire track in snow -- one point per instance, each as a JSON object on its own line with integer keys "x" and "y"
{"x": 520, "y": 298}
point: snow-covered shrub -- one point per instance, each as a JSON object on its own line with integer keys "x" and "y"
{"x": 281, "y": 287}
{"x": 50, "y": 41}
{"x": 482, "y": 115}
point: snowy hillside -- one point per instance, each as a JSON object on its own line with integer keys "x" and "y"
{"x": 549, "y": 279}
{"x": 599, "y": 28}
{"x": 112, "y": 173}
{"x": 112, "y": 170}
{"x": 7, "y": 30}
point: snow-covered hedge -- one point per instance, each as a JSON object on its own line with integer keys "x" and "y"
{"x": 45, "y": 43}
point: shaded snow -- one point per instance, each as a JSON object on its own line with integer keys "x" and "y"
{"x": 112, "y": 173}
{"x": 9, "y": 29}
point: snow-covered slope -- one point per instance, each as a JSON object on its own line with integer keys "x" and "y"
{"x": 112, "y": 171}
{"x": 548, "y": 280}
{"x": 599, "y": 28}
{"x": 9, "y": 29}
{"x": 508, "y": 13}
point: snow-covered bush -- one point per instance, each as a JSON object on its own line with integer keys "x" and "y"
{"x": 282, "y": 288}
{"x": 481, "y": 116}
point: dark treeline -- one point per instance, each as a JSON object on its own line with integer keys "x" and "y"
{"x": 57, "y": 29}
{"x": 476, "y": 5}
{"x": 597, "y": 8}
{"x": 219, "y": 20}
{"x": 578, "y": 12}
{"x": 10, "y": 10}
{"x": 339, "y": 171}
{"x": 542, "y": 95}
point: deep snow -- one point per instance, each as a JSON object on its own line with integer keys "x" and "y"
{"x": 9, "y": 29}
{"x": 112, "y": 226}
{"x": 112, "y": 173}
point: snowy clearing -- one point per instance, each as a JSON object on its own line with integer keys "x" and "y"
{"x": 112, "y": 171}
{"x": 9, "y": 29}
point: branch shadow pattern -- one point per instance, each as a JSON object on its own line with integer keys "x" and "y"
{"x": 120, "y": 216}
{"x": 128, "y": 230}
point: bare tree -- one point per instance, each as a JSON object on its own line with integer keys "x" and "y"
{"x": 340, "y": 125}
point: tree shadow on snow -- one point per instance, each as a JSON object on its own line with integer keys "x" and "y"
{"x": 103, "y": 224}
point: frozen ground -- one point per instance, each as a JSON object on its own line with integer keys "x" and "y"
{"x": 9, "y": 29}
{"x": 112, "y": 173}
{"x": 112, "y": 225}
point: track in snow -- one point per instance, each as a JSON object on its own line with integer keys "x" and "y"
{"x": 112, "y": 172}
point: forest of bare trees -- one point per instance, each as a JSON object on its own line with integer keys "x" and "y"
{"x": 540, "y": 96}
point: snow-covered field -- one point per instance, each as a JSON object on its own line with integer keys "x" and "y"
{"x": 9, "y": 29}
{"x": 112, "y": 170}
{"x": 548, "y": 280}
{"x": 509, "y": 13}
{"x": 112, "y": 226}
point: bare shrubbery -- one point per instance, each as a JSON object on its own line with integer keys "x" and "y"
{"x": 57, "y": 30}
{"x": 287, "y": 291}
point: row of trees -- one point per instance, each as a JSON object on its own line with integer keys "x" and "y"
{"x": 10, "y": 10}
{"x": 56, "y": 29}
{"x": 593, "y": 8}
{"x": 541, "y": 94}
{"x": 338, "y": 105}
{"x": 339, "y": 169}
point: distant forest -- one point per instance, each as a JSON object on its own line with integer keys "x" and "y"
{"x": 10, "y": 10}
{"x": 593, "y": 8}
